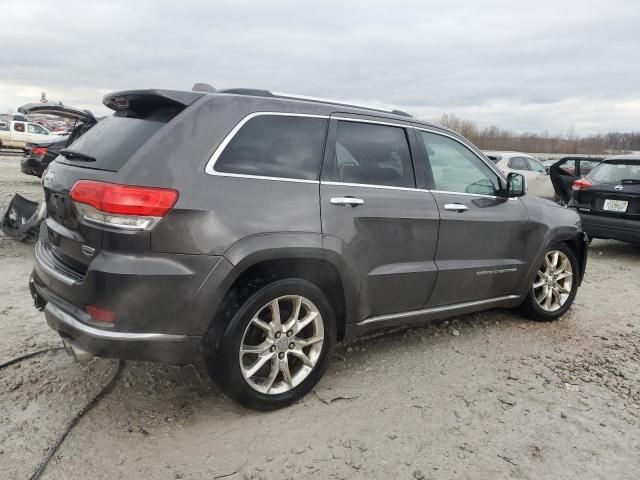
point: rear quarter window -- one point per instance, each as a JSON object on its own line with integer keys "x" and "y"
{"x": 276, "y": 146}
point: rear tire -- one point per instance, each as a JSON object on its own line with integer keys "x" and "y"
{"x": 555, "y": 286}
{"x": 266, "y": 360}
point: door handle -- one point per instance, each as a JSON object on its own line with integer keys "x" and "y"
{"x": 346, "y": 201}
{"x": 456, "y": 207}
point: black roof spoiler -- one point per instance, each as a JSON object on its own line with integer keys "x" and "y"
{"x": 136, "y": 100}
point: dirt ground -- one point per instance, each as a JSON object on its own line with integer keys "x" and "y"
{"x": 484, "y": 396}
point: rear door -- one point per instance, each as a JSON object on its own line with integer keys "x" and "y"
{"x": 481, "y": 249}
{"x": 563, "y": 174}
{"x": 372, "y": 212}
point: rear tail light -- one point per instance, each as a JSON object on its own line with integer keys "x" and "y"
{"x": 102, "y": 315}
{"x": 122, "y": 206}
{"x": 581, "y": 184}
{"x": 40, "y": 151}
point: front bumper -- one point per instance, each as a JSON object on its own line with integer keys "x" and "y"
{"x": 71, "y": 324}
{"x": 615, "y": 228}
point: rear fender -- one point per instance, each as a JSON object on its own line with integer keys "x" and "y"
{"x": 255, "y": 249}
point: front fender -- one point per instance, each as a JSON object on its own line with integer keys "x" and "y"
{"x": 568, "y": 234}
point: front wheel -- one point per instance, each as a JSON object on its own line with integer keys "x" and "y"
{"x": 554, "y": 287}
{"x": 276, "y": 345}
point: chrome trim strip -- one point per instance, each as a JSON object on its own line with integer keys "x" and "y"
{"x": 426, "y": 311}
{"x": 465, "y": 194}
{"x": 55, "y": 273}
{"x": 209, "y": 167}
{"x": 375, "y": 122}
{"x": 385, "y": 187}
{"x": 67, "y": 319}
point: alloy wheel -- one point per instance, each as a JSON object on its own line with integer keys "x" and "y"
{"x": 554, "y": 280}
{"x": 281, "y": 344}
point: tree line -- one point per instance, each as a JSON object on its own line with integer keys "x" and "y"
{"x": 495, "y": 138}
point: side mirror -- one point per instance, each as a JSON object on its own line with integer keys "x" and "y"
{"x": 516, "y": 185}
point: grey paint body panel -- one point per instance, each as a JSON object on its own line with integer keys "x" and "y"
{"x": 401, "y": 257}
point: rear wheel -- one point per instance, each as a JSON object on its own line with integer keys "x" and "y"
{"x": 276, "y": 345}
{"x": 554, "y": 287}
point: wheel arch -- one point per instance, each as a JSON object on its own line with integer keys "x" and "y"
{"x": 263, "y": 258}
{"x": 573, "y": 238}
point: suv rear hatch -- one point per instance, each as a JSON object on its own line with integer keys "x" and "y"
{"x": 98, "y": 213}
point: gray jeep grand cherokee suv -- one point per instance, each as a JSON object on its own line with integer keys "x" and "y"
{"x": 257, "y": 229}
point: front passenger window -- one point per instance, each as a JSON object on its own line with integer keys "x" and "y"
{"x": 455, "y": 168}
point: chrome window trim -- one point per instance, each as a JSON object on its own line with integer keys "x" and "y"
{"x": 374, "y": 122}
{"x": 368, "y": 185}
{"x": 210, "y": 166}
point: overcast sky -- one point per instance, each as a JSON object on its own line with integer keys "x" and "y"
{"x": 527, "y": 66}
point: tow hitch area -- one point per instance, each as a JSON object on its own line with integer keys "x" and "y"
{"x": 22, "y": 219}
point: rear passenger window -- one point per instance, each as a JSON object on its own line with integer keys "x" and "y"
{"x": 518, "y": 163}
{"x": 276, "y": 146}
{"x": 371, "y": 154}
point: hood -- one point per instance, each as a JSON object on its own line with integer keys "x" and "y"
{"x": 59, "y": 110}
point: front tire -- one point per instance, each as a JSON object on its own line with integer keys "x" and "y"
{"x": 554, "y": 287}
{"x": 275, "y": 346}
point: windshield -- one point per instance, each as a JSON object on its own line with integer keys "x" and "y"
{"x": 616, "y": 171}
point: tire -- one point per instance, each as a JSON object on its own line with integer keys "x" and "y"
{"x": 239, "y": 326}
{"x": 533, "y": 308}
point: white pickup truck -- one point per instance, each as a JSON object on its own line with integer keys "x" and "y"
{"x": 19, "y": 133}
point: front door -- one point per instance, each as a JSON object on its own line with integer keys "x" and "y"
{"x": 482, "y": 243}
{"x": 372, "y": 212}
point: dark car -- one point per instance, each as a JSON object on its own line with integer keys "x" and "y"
{"x": 566, "y": 171}
{"x": 39, "y": 155}
{"x": 254, "y": 230}
{"x": 608, "y": 199}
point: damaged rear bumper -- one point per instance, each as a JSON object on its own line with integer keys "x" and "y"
{"x": 71, "y": 324}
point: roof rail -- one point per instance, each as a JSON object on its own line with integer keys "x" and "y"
{"x": 266, "y": 93}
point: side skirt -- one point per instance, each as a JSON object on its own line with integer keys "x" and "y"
{"x": 429, "y": 314}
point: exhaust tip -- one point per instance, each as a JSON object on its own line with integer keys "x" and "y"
{"x": 77, "y": 352}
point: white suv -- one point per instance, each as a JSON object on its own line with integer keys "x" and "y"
{"x": 538, "y": 181}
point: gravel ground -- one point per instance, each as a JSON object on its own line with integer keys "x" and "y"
{"x": 484, "y": 396}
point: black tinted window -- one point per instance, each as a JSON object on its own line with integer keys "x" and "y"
{"x": 18, "y": 127}
{"x": 276, "y": 146}
{"x": 372, "y": 154}
{"x": 518, "y": 163}
{"x": 113, "y": 140}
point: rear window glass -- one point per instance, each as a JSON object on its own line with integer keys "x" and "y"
{"x": 616, "y": 172}
{"x": 113, "y": 140}
{"x": 276, "y": 146}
